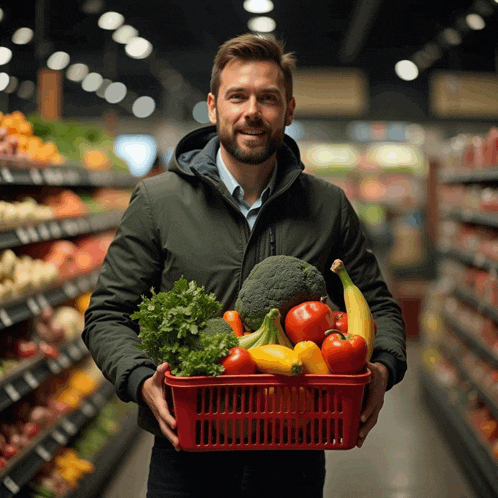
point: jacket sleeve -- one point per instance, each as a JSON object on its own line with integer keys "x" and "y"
{"x": 362, "y": 267}
{"x": 131, "y": 267}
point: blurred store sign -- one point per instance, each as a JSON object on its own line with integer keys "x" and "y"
{"x": 365, "y": 132}
{"x": 460, "y": 94}
{"x": 139, "y": 152}
{"x": 394, "y": 156}
{"x": 320, "y": 92}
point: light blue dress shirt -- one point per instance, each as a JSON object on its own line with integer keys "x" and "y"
{"x": 237, "y": 192}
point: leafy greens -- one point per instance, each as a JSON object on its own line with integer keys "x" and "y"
{"x": 171, "y": 330}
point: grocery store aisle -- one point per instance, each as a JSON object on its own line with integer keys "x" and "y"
{"x": 403, "y": 457}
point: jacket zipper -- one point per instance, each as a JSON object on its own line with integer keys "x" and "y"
{"x": 273, "y": 248}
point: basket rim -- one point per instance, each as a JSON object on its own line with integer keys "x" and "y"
{"x": 268, "y": 379}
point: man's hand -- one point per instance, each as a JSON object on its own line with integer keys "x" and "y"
{"x": 375, "y": 399}
{"x": 154, "y": 394}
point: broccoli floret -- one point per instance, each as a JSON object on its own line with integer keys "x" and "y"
{"x": 213, "y": 327}
{"x": 278, "y": 282}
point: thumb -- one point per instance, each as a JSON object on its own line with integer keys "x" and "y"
{"x": 160, "y": 371}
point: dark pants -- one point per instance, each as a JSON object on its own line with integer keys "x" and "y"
{"x": 234, "y": 474}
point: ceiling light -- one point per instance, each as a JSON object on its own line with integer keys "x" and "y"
{"x": 143, "y": 107}
{"x": 92, "y": 82}
{"x": 124, "y": 34}
{"x": 200, "y": 112}
{"x": 58, "y": 61}
{"x": 92, "y": 6}
{"x": 138, "y": 48}
{"x": 103, "y": 87}
{"x": 26, "y": 90}
{"x": 12, "y": 85}
{"x": 22, "y": 36}
{"x": 261, "y": 24}
{"x": 258, "y": 6}
{"x": 1, "y": 15}
{"x": 4, "y": 81}
{"x": 433, "y": 50}
{"x": 452, "y": 36}
{"x": 5, "y": 55}
{"x": 76, "y": 72}
{"x": 115, "y": 92}
{"x": 475, "y": 21}
{"x": 406, "y": 70}
{"x": 111, "y": 20}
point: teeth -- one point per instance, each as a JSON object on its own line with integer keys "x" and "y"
{"x": 253, "y": 132}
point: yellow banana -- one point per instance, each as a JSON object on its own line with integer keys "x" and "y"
{"x": 276, "y": 359}
{"x": 360, "y": 320}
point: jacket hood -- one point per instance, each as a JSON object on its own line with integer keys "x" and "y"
{"x": 198, "y": 149}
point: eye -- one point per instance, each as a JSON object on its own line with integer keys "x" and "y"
{"x": 236, "y": 96}
{"x": 270, "y": 98}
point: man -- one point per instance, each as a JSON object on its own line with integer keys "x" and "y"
{"x": 233, "y": 195}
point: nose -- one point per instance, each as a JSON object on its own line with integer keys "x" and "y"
{"x": 253, "y": 110}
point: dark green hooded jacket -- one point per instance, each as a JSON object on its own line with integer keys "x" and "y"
{"x": 185, "y": 222}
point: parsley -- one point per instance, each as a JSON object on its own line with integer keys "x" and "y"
{"x": 170, "y": 324}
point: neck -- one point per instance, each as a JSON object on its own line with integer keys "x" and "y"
{"x": 253, "y": 178}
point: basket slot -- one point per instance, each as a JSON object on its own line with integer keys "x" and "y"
{"x": 338, "y": 400}
{"x": 340, "y": 431}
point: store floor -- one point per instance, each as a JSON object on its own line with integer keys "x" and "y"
{"x": 404, "y": 456}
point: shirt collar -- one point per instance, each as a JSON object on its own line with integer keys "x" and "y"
{"x": 234, "y": 186}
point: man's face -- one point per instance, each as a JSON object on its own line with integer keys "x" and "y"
{"x": 251, "y": 111}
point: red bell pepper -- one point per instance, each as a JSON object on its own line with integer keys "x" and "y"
{"x": 309, "y": 321}
{"x": 344, "y": 353}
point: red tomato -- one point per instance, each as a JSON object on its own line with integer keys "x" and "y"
{"x": 309, "y": 321}
{"x": 238, "y": 362}
{"x": 49, "y": 350}
{"x": 26, "y": 349}
{"x": 9, "y": 450}
{"x": 341, "y": 321}
{"x": 345, "y": 353}
{"x": 31, "y": 429}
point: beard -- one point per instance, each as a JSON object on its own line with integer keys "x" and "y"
{"x": 255, "y": 153}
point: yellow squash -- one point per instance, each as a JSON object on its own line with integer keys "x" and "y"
{"x": 360, "y": 320}
{"x": 311, "y": 356}
{"x": 276, "y": 359}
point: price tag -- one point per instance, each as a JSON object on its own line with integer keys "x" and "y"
{"x": 33, "y": 306}
{"x": 33, "y": 234}
{"x": 22, "y": 235}
{"x": 7, "y": 175}
{"x": 71, "y": 177}
{"x": 9, "y": 483}
{"x": 31, "y": 380}
{"x": 70, "y": 289}
{"x": 64, "y": 360}
{"x": 55, "y": 229}
{"x": 44, "y": 231}
{"x": 74, "y": 352}
{"x": 87, "y": 409}
{"x": 70, "y": 227}
{"x": 54, "y": 367}
{"x": 83, "y": 225}
{"x": 12, "y": 392}
{"x": 35, "y": 176}
{"x": 59, "y": 437}
{"x": 83, "y": 283}
{"x": 42, "y": 301}
{"x": 5, "y": 318}
{"x": 69, "y": 427}
{"x": 43, "y": 453}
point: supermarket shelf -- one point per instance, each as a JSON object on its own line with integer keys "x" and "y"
{"x": 479, "y": 304}
{"x": 107, "y": 460}
{"x": 15, "y": 173}
{"x": 468, "y": 447}
{"x": 487, "y": 397}
{"x": 57, "y": 229}
{"x": 478, "y": 346}
{"x": 473, "y": 176}
{"x": 30, "y": 305}
{"x": 478, "y": 259}
{"x": 31, "y": 373}
{"x": 27, "y": 464}
{"x": 464, "y": 216}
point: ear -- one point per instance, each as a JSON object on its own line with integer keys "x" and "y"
{"x": 211, "y": 105}
{"x": 291, "y": 106}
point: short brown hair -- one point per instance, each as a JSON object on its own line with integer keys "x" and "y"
{"x": 251, "y": 46}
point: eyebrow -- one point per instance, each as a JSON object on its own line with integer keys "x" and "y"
{"x": 242, "y": 89}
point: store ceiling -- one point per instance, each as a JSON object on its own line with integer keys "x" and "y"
{"x": 368, "y": 34}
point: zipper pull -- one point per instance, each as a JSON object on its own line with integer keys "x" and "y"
{"x": 273, "y": 249}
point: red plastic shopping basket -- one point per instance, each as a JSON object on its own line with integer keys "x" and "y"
{"x": 266, "y": 411}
